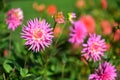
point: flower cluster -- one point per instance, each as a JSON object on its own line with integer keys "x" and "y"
{"x": 38, "y": 34}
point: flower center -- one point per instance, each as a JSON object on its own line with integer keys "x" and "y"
{"x": 105, "y": 77}
{"x": 16, "y": 15}
{"x": 37, "y": 34}
{"x": 59, "y": 15}
{"x": 95, "y": 47}
{"x": 78, "y": 33}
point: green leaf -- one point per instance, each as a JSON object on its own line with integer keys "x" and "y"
{"x": 1, "y": 77}
{"x": 39, "y": 78}
{"x": 23, "y": 72}
{"x": 48, "y": 73}
{"x": 7, "y": 67}
{"x": 28, "y": 75}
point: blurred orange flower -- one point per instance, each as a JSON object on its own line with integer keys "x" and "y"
{"x": 35, "y": 5}
{"x": 115, "y": 24}
{"x": 5, "y": 53}
{"x": 75, "y": 47}
{"x": 57, "y": 31}
{"x": 39, "y": 8}
{"x": 104, "y": 4}
{"x": 118, "y": 51}
{"x": 106, "y": 27}
{"x": 117, "y": 35}
{"x": 51, "y": 10}
{"x": 89, "y": 22}
{"x": 80, "y": 3}
{"x": 108, "y": 46}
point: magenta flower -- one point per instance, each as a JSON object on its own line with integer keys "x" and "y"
{"x": 94, "y": 48}
{"x": 77, "y": 33}
{"x": 37, "y": 34}
{"x": 14, "y": 18}
{"x": 105, "y": 72}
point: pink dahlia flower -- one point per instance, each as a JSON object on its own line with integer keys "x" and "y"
{"x": 105, "y": 72}
{"x": 77, "y": 33}
{"x": 94, "y": 48}
{"x": 14, "y": 18}
{"x": 37, "y": 34}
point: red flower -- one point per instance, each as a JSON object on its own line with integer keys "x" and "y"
{"x": 51, "y": 10}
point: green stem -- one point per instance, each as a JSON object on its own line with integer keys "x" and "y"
{"x": 27, "y": 55}
{"x": 60, "y": 35}
{"x": 63, "y": 67}
{"x": 4, "y": 76}
{"x": 90, "y": 64}
{"x": 54, "y": 26}
{"x": 44, "y": 56}
{"x": 4, "y": 4}
{"x": 10, "y": 41}
{"x": 45, "y": 68}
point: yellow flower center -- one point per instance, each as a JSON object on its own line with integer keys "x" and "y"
{"x": 37, "y": 34}
{"x": 16, "y": 15}
{"x": 59, "y": 15}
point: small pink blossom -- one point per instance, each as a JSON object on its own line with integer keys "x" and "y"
{"x": 14, "y": 18}
{"x": 77, "y": 33}
{"x": 106, "y": 71}
{"x": 94, "y": 48}
{"x": 37, "y": 34}
{"x": 59, "y": 17}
